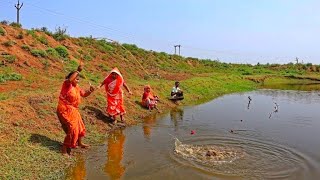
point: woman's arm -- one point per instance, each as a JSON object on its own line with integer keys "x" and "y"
{"x": 127, "y": 88}
{"x": 87, "y": 92}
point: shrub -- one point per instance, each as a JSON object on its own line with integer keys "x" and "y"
{"x": 32, "y": 32}
{"x": 20, "y": 35}
{"x": 52, "y": 52}
{"x": 26, "y": 47}
{"x": 39, "y": 53}
{"x": 9, "y": 43}
{"x": 9, "y": 58}
{"x": 87, "y": 57}
{"x": 62, "y": 51}
{"x": 14, "y": 24}
{"x": 60, "y": 34}
{"x": 43, "y": 40}
{"x": 10, "y": 77}
{"x": 2, "y": 31}
{"x": 45, "y": 63}
{"x": 104, "y": 46}
{"x": 4, "y": 22}
{"x": 46, "y": 31}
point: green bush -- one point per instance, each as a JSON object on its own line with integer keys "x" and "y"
{"x": 9, "y": 43}
{"x": 52, "y": 53}
{"x": 4, "y": 22}
{"x": 26, "y": 47}
{"x": 62, "y": 51}
{"x": 60, "y": 34}
{"x": 43, "y": 40}
{"x": 87, "y": 57}
{"x": 10, "y": 77}
{"x": 9, "y": 58}
{"x": 14, "y": 24}
{"x": 39, "y": 53}
{"x": 32, "y": 32}
{"x": 2, "y": 32}
{"x": 20, "y": 35}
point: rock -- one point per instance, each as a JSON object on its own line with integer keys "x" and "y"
{"x": 211, "y": 153}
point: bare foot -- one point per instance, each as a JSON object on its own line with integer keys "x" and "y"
{"x": 64, "y": 151}
{"x": 82, "y": 145}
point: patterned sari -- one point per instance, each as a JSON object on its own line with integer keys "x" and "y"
{"x": 114, "y": 93}
{"x": 69, "y": 115}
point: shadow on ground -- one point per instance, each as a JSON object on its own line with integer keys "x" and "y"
{"x": 98, "y": 114}
{"x": 45, "y": 142}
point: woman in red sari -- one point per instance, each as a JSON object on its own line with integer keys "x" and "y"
{"x": 68, "y": 112}
{"x": 148, "y": 99}
{"x": 113, "y": 84}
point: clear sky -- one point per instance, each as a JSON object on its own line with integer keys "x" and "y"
{"x": 241, "y": 31}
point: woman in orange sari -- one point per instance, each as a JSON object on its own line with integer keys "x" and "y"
{"x": 68, "y": 112}
{"x": 113, "y": 84}
{"x": 148, "y": 99}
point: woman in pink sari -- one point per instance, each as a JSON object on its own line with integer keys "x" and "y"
{"x": 113, "y": 84}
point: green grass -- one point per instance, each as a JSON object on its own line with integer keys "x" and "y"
{"x": 10, "y": 77}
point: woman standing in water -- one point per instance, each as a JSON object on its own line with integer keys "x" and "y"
{"x": 68, "y": 112}
{"x": 113, "y": 84}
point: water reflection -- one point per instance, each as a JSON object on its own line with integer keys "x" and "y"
{"x": 148, "y": 123}
{"x": 299, "y": 87}
{"x": 114, "y": 168}
{"x": 78, "y": 172}
{"x": 176, "y": 115}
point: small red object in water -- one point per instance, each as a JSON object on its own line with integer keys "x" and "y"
{"x": 193, "y": 131}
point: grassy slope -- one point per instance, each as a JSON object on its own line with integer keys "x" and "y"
{"x": 30, "y": 132}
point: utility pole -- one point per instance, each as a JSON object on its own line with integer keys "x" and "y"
{"x": 175, "y": 51}
{"x": 18, "y": 7}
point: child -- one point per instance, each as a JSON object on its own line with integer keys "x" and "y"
{"x": 148, "y": 99}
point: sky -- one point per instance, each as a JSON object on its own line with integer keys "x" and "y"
{"x": 236, "y": 31}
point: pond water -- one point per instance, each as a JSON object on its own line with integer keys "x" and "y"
{"x": 275, "y": 135}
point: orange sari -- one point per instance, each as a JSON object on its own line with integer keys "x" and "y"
{"x": 69, "y": 115}
{"x": 114, "y": 94}
{"x": 148, "y": 99}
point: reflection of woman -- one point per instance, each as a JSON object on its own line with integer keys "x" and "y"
{"x": 68, "y": 112}
{"x": 115, "y": 151}
{"x": 147, "y": 125}
{"x": 113, "y": 84}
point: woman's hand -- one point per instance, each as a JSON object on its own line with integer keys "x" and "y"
{"x": 91, "y": 88}
{"x": 80, "y": 67}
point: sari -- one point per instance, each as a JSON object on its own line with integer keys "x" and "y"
{"x": 114, "y": 93}
{"x": 69, "y": 115}
{"x": 148, "y": 99}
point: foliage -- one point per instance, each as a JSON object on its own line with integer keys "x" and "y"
{"x": 14, "y": 24}
{"x": 4, "y": 22}
{"x": 10, "y": 77}
{"x": 52, "y": 53}
{"x": 39, "y": 53}
{"x": 2, "y": 32}
{"x": 62, "y": 51}
{"x": 26, "y": 47}
{"x": 20, "y": 35}
{"x": 60, "y": 34}
{"x": 9, "y": 58}
{"x": 43, "y": 40}
{"x": 32, "y": 32}
{"x": 9, "y": 43}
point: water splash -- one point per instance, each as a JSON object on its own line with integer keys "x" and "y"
{"x": 208, "y": 155}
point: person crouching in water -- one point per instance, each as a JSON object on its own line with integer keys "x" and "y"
{"x": 148, "y": 99}
{"x": 113, "y": 84}
{"x": 68, "y": 111}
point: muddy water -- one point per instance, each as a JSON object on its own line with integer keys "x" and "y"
{"x": 275, "y": 136}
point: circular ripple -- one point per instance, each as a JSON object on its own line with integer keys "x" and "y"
{"x": 240, "y": 157}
